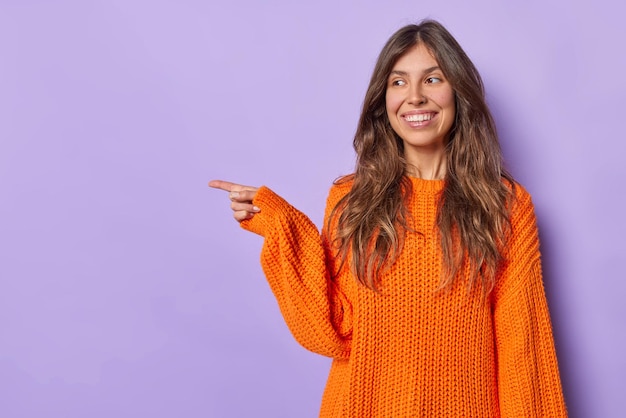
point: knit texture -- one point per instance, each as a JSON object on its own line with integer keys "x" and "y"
{"x": 408, "y": 350}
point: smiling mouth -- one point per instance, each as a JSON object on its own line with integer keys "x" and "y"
{"x": 419, "y": 117}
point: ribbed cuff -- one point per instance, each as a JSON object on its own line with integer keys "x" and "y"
{"x": 273, "y": 208}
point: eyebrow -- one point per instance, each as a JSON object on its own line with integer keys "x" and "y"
{"x": 426, "y": 71}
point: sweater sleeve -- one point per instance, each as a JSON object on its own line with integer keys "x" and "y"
{"x": 294, "y": 260}
{"x": 528, "y": 376}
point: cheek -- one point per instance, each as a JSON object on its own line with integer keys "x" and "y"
{"x": 448, "y": 104}
{"x": 445, "y": 100}
{"x": 392, "y": 102}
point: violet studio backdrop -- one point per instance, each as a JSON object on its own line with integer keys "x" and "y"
{"x": 126, "y": 290}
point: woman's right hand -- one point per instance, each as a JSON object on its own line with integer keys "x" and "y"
{"x": 240, "y": 198}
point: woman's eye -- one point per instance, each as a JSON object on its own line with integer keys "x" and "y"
{"x": 431, "y": 80}
{"x": 398, "y": 83}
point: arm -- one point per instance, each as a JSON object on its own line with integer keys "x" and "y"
{"x": 528, "y": 374}
{"x": 294, "y": 259}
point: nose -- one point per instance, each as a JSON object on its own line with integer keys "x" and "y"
{"x": 416, "y": 95}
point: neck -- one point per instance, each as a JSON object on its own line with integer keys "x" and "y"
{"x": 426, "y": 165}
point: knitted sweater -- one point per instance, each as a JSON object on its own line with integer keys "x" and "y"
{"x": 409, "y": 351}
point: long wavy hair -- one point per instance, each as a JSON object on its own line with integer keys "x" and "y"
{"x": 472, "y": 215}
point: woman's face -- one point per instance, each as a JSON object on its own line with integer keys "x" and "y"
{"x": 420, "y": 103}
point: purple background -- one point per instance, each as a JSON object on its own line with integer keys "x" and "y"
{"x": 126, "y": 290}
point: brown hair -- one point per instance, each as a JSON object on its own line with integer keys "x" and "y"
{"x": 473, "y": 217}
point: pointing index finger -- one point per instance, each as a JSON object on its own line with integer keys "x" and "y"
{"x": 229, "y": 186}
{"x": 221, "y": 184}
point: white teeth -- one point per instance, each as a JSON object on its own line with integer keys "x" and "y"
{"x": 419, "y": 118}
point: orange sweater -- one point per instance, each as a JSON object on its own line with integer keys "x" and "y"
{"x": 408, "y": 351}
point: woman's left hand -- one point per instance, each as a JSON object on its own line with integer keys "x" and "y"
{"x": 241, "y": 198}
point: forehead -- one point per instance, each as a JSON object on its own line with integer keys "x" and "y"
{"x": 417, "y": 59}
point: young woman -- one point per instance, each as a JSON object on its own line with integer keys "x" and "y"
{"x": 425, "y": 286}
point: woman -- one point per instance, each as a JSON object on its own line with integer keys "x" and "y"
{"x": 425, "y": 286}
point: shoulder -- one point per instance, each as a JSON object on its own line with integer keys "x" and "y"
{"x": 339, "y": 190}
{"x": 524, "y": 238}
{"x": 517, "y": 189}
{"x": 521, "y": 201}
